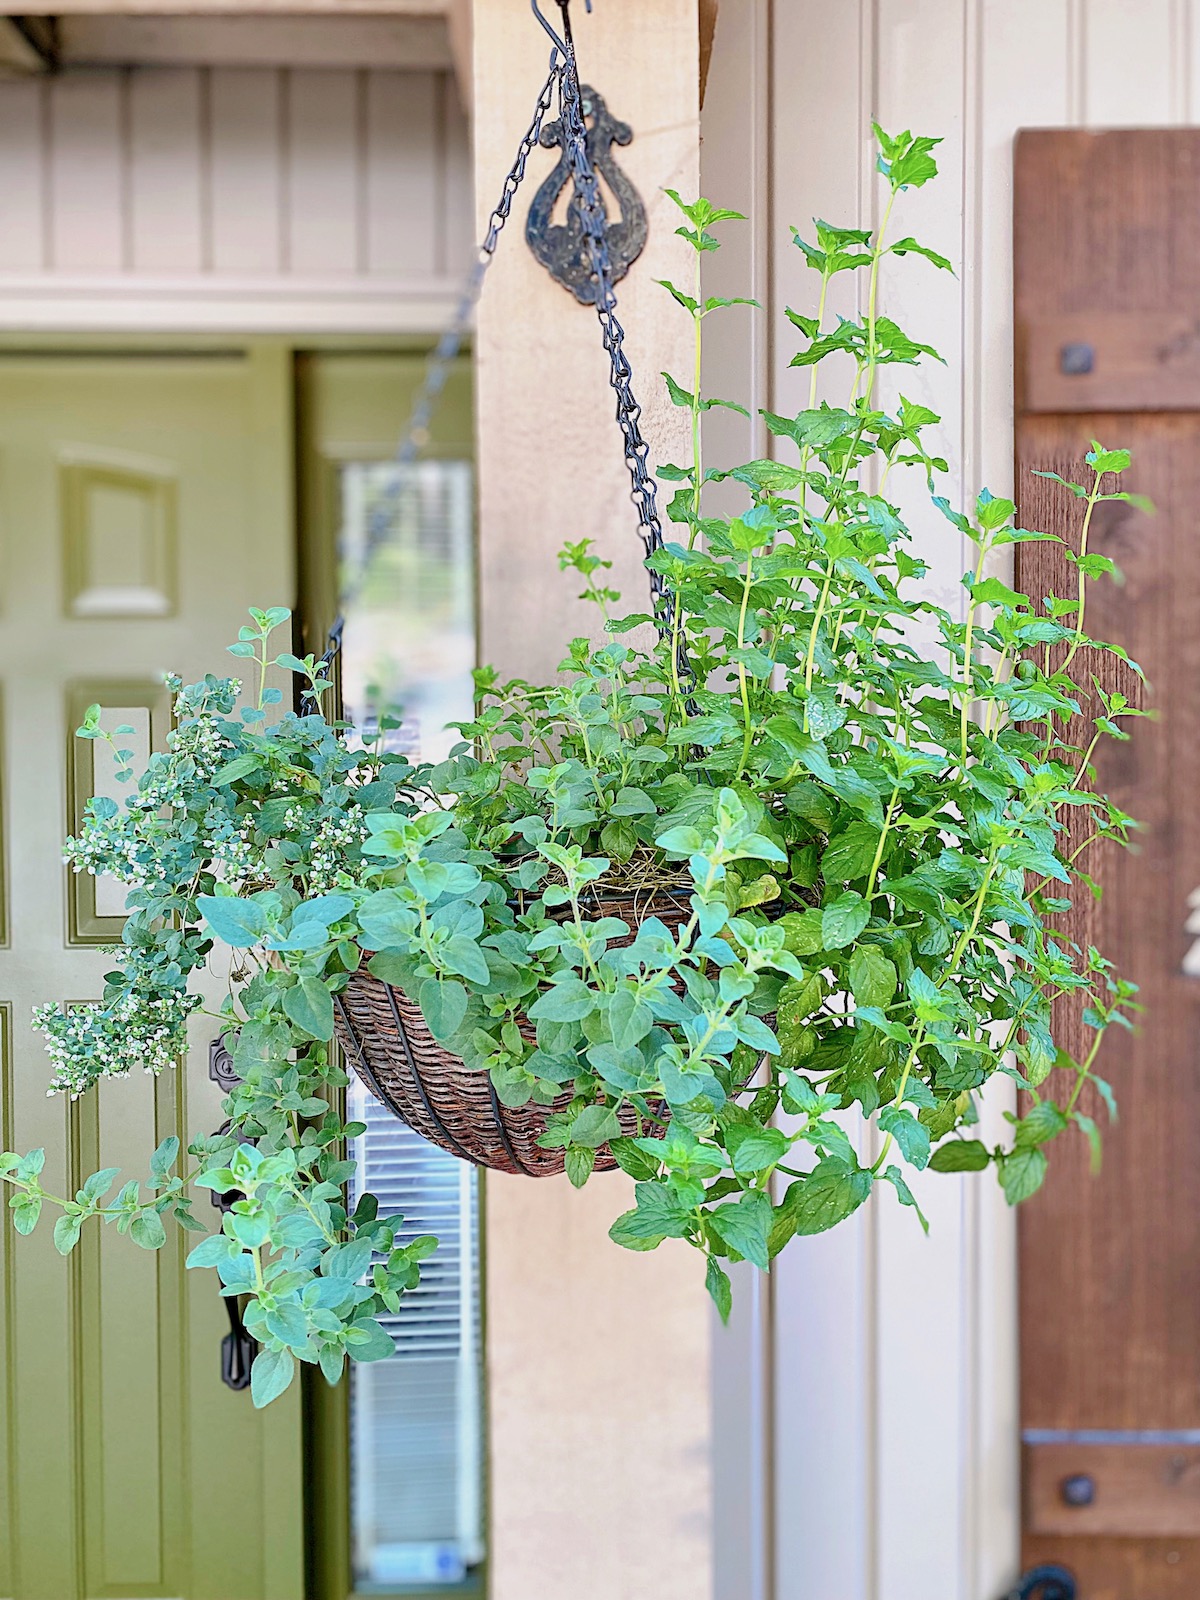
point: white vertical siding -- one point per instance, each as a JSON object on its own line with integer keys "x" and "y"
{"x": 895, "y": 1358}
{"x": 733, "y": 170}
{"x": 245, "y": 171}
{"x": 22, "y": 177}
{"x": 166, "y": 170}
{"x": 89, "y": 199}
{"x": 324, "y": 159}
{"x": 401, "y": 180}
{"x": 1128, "y": 63}
{"x": 234, "y": 174}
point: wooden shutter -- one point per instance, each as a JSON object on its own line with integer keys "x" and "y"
{"x": 1107, "y": 286}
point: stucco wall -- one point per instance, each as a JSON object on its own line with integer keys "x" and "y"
{"x": 599, "y": 1359}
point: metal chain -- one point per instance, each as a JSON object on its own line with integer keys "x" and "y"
{"x": 563, "y": 75}
{"x": 448, "y": 346}
{"x": 444, "y": 354}
{"x": 592, "y": 215}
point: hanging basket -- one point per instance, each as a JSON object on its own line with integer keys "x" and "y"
{"x": 389, "y": 1044}
{"x": 381, "y": 1028}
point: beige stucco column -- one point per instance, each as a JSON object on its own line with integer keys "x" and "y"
{"x": 598, "y": 1358}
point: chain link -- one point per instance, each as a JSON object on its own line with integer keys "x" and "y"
{"x": 563, "y": 77}
{"x": 442, "y": 358}
{"x": 448, "y": 346}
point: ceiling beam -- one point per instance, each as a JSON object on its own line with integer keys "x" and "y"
{"x": 708, "y": 32}
{"x": 458, "y": 24}
{"x": 28, "y": 44}
{"x": 309, "y": 39}
{"x": 213, "y": 8}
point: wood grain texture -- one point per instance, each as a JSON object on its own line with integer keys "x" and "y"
{"x": 1140, "y": 361}
{"x": 1140, "y": 1490}
{"x": 1124, "y": 1569}
{"x": 1110, "y": 1266}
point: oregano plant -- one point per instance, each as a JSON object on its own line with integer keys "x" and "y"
{"x": 869, "y": 806}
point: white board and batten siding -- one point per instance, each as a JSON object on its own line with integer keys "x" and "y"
{"x": 260, "y": 199}
{"x": 889, "y": 1361}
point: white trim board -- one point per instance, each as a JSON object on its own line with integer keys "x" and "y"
{"x": 890, "y": 1402}
{"x": 45, "y": 303}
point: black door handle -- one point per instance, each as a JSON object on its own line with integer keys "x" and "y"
{"x": 238, "y": 1349}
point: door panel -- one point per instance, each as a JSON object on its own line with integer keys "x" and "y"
{"x": 145, "y": 502}
{"x": 1106, "y": 231}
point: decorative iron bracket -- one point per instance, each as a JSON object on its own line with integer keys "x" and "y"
{"x": 562, "y": 248}
{"x": 1045, "y": 1583}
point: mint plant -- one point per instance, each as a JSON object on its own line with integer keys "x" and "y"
{"x": 874, "y": 841}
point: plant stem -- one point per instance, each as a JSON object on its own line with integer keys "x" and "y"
{"x": 968, "y": 647}
{"x": 872, "y": 301}
{"x": 1083, "y": 546}
{"x": 743, "y": 688}
{"x": 697, "y": 489}
{"x": 887, "y": 822}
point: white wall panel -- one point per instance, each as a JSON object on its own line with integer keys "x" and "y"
{"x": 825, "y": 1508}
{"x": 323, "y": 172}
{"x": 22, "y": 177}
{"x": 1129, "y": 62}
{"x": 734, "y": 173}
{"x": 245, "y": 166}
{"x": 167, "y": 184}
{"x": 923, "y": 76}
{"x": 88, "y": 192}
{"x": 457, "y": 231}
{"x": 167, "y": 211}
{"x": 402, "y": 156}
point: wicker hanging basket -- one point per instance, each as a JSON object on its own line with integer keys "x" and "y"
{"x": 381, "y": 1028}
{"x": 388, "y": 1043}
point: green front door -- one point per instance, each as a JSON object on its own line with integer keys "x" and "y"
{"x": 145, "y": 502}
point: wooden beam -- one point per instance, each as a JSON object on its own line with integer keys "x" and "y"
{"x": 307, "y": 40}
{"x": 329, "y": 8}
{"x": 708, "y": 32}
{"x": 28, "y": 45}
{"x": 458, "y": 23}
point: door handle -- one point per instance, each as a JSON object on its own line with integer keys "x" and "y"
{"x": 238, "y": 1349}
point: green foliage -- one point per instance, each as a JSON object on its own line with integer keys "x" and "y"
{"x": 859, "y": 797}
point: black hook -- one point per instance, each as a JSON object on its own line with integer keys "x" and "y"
{"x": 562, "y": 45}
{"x": 559, "y": 44}
{"x": 1045, "y": 1583}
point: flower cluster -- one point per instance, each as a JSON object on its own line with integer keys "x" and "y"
{"x": 334, "y": 859}
{"x": 86, "y": 1042}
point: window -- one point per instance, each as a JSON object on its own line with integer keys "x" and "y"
{"x": 407, "y": 580}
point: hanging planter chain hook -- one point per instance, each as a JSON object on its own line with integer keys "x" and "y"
{"x": 644, "y": 491}
{"x": 563, "y": 75}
